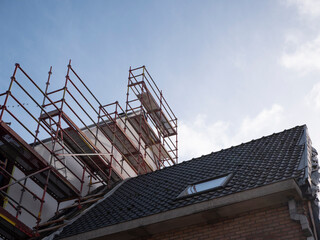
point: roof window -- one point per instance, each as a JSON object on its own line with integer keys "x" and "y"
{"x": 206, "y": 185}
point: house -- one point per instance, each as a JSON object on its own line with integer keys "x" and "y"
{"x": 63, "y": 176}
{"x": 263, "y": 189}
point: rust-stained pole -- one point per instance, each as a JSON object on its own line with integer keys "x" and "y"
{"x": 9, "y": 91}
{"x": 43, "y": 102}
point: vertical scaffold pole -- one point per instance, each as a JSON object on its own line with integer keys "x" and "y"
{"x": 127, "y": 102}
{"x": 43, "y": 103}
{"x": 4, "y": 106}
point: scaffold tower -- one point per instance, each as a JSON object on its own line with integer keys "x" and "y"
{"x": 62, "y": 149}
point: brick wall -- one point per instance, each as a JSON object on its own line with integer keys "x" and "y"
{"x": 263, "y": 224}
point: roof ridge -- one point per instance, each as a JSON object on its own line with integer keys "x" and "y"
{"x": 225, "y": 149}
{"x": 257, "y": 139}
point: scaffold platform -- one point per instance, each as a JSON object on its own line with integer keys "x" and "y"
{"x": 81, "y": 146}
{"x": 13, "y": 147}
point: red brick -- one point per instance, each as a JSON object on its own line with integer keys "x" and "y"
{"x": 267, "y": 223}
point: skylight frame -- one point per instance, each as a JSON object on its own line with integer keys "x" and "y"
{"x": 185, "y": 194}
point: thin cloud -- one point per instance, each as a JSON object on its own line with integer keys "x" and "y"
{"x": 313, "y": 97}
{"x": 202, "y": 137}
{"x": 266, "y": 122}
{"x": 305, "y": 58}
{"x": 306, "y": 8}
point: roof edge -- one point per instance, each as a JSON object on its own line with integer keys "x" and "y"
{"x": 108, "y": 194}
{"x": 304, "y": 158}
{"x": 309, "y": 162}
{"x": 289, "y": 187}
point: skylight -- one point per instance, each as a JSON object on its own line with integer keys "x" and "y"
{"x": 205, "y": 185}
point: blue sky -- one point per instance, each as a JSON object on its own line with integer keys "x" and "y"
{"x": 232, "y": 71}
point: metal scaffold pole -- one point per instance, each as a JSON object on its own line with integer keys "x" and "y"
{"x": 78, "y": 146}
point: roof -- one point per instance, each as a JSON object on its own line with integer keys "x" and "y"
{"x": 257, "y": 163}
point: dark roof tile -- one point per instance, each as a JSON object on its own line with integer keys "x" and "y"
{"x": 253, "y": 164}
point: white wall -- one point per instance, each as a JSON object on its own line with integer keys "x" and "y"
{"x": 123, "y": 169}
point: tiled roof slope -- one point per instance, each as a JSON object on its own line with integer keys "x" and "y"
{"x": 256, "y": 163}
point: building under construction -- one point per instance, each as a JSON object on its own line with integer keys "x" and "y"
{"x": 62, "y": 149}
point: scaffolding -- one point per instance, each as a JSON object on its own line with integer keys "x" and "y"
{"x": 151, "y": 116}
{"x": 78, "y": 144}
